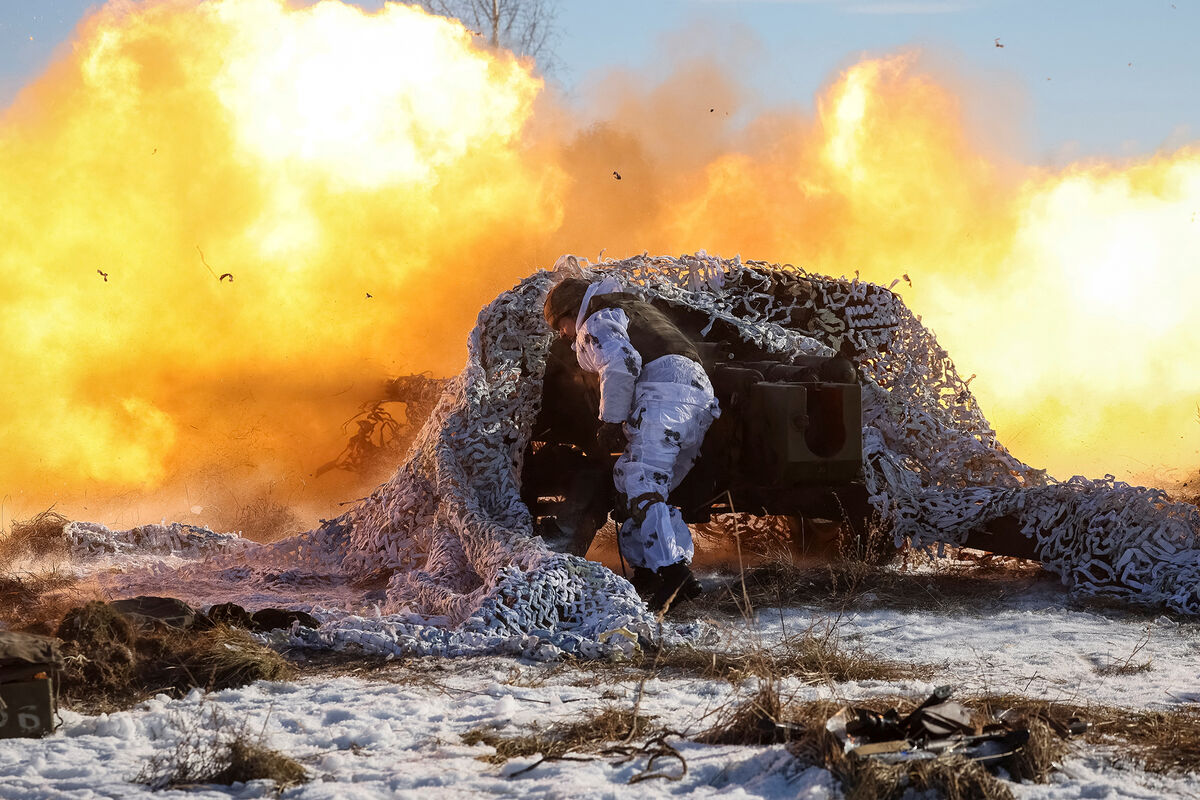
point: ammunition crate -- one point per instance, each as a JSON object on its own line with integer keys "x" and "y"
{"x": 27, "y": 708}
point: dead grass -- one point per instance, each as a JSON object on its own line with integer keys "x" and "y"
{"x": 1124, "y": 668}
{"x": 1131, "y": 664}
{"x": 1162, "y": 741}
{"x": 952, "y": 778}
{"x": 815, "y": 656}
{"x": 762, "y": 719}
{"x": 766, "y": 718}
{"x": 338, "y": 663}
{"x": 112, "y": 665}
{"x": 588, "y": 735}
{"x": 838, "y": 585}
{"x": 217, "y": 750}
{"x": 35, "y": 602}
{"x": 221, "y": 658}
{"x": 1037, "y": 758}
{"x": 250, "y": 760}
{"x": 39, "y": 536}
{"x": 1166, "y": 742}
{"x": 263, "y": 519}
{"x": 101, "y": 664}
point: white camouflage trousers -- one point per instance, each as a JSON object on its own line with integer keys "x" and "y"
{"x": 673, "y": 405}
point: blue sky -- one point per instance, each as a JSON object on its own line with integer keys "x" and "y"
{"x": 1097, "y": 78}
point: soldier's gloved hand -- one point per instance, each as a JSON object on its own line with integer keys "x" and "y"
{"x": 611, "y": 437}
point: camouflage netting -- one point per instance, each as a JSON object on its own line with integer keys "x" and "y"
{"x": 450, "y": 540}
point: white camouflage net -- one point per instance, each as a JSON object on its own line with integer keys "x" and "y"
{"x": 90, "y": 539}
{"x": 452, "y": 542}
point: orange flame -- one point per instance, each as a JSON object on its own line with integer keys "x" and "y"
{"x": 316, "y": 156}
{"x": 201, "y": 198}
{"x": 1068, "y": 294}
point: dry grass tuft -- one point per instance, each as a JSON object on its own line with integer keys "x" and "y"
{"x": 99, "y": 654}
{"x": 250, "y": 761}
{"x": 588, "y": 735}
{"x": 1124, "y": 668}
{"x": 112, "y": 665}
{"x": 815, "y": 656}
{"x": 819, "y": 655}
{"x": 1165, "y": 742}
{"x": 1130, "y": 665}
{"x": 36, "y": 602}
{"x": 222, "y": 658}
{"x": 218, "y": 751}
{"x": 692, "y": 661}
{"x": 337, "y": 663}
{"x": 1036, "y": 759}
{"x": 759, "y": 720}
{"x": 40, "y": 536}
{"x": 263, "y": 520}
{"x": 952, "y": 778}
{"x": 95, "y": 626}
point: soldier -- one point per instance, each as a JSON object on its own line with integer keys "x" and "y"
{"x": 656, "y": 403}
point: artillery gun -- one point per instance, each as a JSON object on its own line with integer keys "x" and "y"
{"x": 788, "y": 443}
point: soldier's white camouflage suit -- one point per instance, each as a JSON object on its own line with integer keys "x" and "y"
{"x": 666, "y": 406}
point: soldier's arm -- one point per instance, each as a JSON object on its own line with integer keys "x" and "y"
{"x": 603, "y": 347}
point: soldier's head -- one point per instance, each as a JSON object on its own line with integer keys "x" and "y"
{"x": 562, "y": 304}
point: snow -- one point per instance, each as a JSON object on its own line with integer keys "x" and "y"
{"x": 397, "y": 731}
{"x": 1045, "y": 652}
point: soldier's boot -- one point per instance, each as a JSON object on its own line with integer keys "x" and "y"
{"x": 645, "y": 581}
{"x": 678, "y": 585}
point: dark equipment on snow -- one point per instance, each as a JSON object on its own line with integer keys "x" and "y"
{"x": 29, "y": 667}
{"x": 145, "y": 611}
{"x": 937, "y": 727}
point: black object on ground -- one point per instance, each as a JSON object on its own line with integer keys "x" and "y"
{"x": 145, "y": 610}
{"x": 937, "y": 727}
{"x": 29, "y": 667}
{"x": 677, "y": 584}
{"x": 269, "y": 619}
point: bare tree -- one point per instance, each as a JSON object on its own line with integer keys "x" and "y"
{"x": 524, "y": 26}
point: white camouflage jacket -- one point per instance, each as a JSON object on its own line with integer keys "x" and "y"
{"x": 602, "y": 346}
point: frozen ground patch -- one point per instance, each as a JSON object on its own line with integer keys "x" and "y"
{"x": 397, "y": 730}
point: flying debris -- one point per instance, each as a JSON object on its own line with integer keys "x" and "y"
{"x": 225, "y": 275}
{"x": 208, "y": 266}
{"x": 616, "y": 175}
{"x": 103, "y": 274}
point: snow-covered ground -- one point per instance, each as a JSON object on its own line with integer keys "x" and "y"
{"x": 397, "y": 731}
